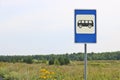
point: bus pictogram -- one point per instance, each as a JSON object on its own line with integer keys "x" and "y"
{"x": 85, "y": 23}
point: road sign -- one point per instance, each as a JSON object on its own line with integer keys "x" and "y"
{"x": 85, "y": 26}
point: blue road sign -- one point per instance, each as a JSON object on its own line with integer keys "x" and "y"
{"x": 85, "y": 26}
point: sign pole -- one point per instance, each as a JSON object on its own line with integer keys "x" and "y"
{"x": 85, "y": 62}
{"x": 85, "y": 25}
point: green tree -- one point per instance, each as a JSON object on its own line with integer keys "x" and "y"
{"x": 28, "y": 60}
{"x": 51, "y": 61}
{"x": 56, "y": 62}
{"x": 61, "y": 60}
{"x": 67, "y": 61}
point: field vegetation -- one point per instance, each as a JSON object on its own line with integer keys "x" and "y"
{"x": 101, "y": 66}
{"x": 97, "y": 70}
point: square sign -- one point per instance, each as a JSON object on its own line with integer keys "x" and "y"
{"x": 85, "y": 26}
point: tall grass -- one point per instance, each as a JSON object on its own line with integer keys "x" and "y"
{"x": 97, "y": 70}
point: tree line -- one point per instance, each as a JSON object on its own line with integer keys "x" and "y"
{"x": 61, "y": 58}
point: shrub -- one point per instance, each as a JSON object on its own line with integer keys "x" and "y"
{"x": 28, "y": 60}
{"x": 51, "y": 61}
{"x": 56, "y": 62}
{"x": 59, "y": 61}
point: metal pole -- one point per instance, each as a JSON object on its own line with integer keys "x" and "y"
{"x": 85, "y": 62}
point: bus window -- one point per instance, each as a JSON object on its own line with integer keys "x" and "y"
{"x": 86, "y": 21}
{"x": 82, "y": 21}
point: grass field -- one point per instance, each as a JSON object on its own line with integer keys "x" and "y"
{"x": 97, "y": 70}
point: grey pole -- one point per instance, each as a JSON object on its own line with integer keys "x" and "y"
{"x": 85, "y": 62}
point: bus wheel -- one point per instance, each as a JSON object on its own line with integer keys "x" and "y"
{"x": 80, "y": 26}
{"x": 89, "y": 26}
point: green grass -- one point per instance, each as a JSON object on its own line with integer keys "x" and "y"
{"x": 97, "y": 70}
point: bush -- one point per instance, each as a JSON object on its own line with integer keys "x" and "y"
{"x": 67, "y": 61}
{"x": 59, "y": 61}
{"x": 28, "y": 60}
{"x": 56, "y": 62}
{"x": 51, "y": 61}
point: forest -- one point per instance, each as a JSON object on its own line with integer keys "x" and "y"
{"x": 68, "y": 56}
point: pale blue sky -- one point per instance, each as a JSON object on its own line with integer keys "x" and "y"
{"x": 47, "y": 26}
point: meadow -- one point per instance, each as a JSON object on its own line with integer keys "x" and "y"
{"x": 97, "y": 70}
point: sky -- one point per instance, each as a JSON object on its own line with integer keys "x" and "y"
{"x": 30, "y": 27}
